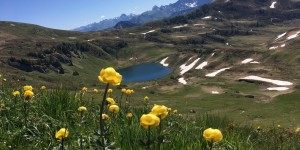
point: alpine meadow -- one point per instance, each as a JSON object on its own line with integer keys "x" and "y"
{"x": 209, "y": 75}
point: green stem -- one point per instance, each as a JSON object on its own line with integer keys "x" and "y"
{"x": 148, "y": 142}
{"x": 25, "y": 113}
{"x": 210, "y": 145}
{"x": 81, "y": 117}
{"x": 101, "y": 120}
{"x": 120, "y": 101}
{"x": 159, "y": 134}
{"x": 62, "y": 144}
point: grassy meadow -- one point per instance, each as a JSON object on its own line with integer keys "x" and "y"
{"x": 32, "y": 123}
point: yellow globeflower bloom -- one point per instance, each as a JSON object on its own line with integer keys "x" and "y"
{"x": 43, "y": 87}
{"x": 114, "y": 108}
{"x": 84, "y": 89}
{"x": 111, "y": 101}
{"x": 175, "y": 111}
{"x": 105, "y": 116}
{"x": 298, "y": 130}
{"x": 109, "y": 91}
{"x": 27, "y": 88}
{"x": 132, "y": 91}
{"x": 16, "y": 93}
{"x": 95, "y": 91}
{"x": 149, "y": 120}
{"x": 28, "y": 94}
{"x": 82, "y": 109}
{"x": 160, "y": 110}
{"x": 212, "y": 135}
{"x": 129, "y": 115}
{"x": 109, "y": 75}
{"x": 128, "y": 92}
{"x": 146, "y": 98}
{"x": 123, "y": 90}
{"x": 62, "y": 133}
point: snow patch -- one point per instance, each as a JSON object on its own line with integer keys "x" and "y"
{"x": 143, "y": 88}
{"x": 163, "y": 62}
{"x": 207, "y": 17}
{"x": 280, "y": 36}
{"x": 148, "y": 32}
{"x": 198, "y": 24}
{"x": 273, "y": 5}
{"x": 212, "y": 54}
{"x": 273, "y": 47}
{"x": 185, "y": 68}
{"x": 217, "y": 72}
{"x": 293, "y": 36}
{"x": 215, "y": 92}
{"x": 182, "y": 80}
{"x": 282, "y": 45}
{"x": 72, "y": 38}
{"x": 191, "y": 5}
{"x": 277, "y": 88}
{"x": 276, "y": 82}
{"x": 180, "y": 26}
{"x": 246, "y": 61}
{"x": 13, "y": 25}
{"x": 202, "y": 65}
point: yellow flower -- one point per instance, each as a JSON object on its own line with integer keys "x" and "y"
{"x": 279, "y": 126}
{"x": 160, "y": 111}
{"x": 169, "y": 109}
{"x": 95, "y": 91}
{"x": 149, "y": 120}
{"x": 132, "y": 91}
{"x": 62, "y": 133}
{"x": 111, "y": 101}
{"x": 212, "y": 135}
{"x": 109, "y": 75}
{"x": 298, "y": 130}
{"x": 109, "y": 91}
{"x": 114, "y": 108}
{"x": 128, "y": 92}
{"x": 123, "y": 90}
{"x": 28, "y": 94}
{"x": 129, "y": 115}
{"x": 105, "y": 116}
{"x": 84, "y": 89}
{"x": 82, "y": 109}
{"x": 43, "y": 87}
{"x": 175, "y": 111}
{"x": 146, "y": 98}
{"x": 27, "y": 88}
{"x": 16, "y": 93}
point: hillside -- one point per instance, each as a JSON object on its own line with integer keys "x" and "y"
{"x": 212, "y": 52}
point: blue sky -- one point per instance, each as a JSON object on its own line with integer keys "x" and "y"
{"x": 69, "y": 14}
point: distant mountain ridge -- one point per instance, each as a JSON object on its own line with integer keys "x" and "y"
{"x": 178, "y": 8}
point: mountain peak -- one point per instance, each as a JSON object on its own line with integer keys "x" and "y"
{"x": 178, "y": 8}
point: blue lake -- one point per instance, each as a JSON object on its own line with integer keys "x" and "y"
{"x": 144, "y": 72}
